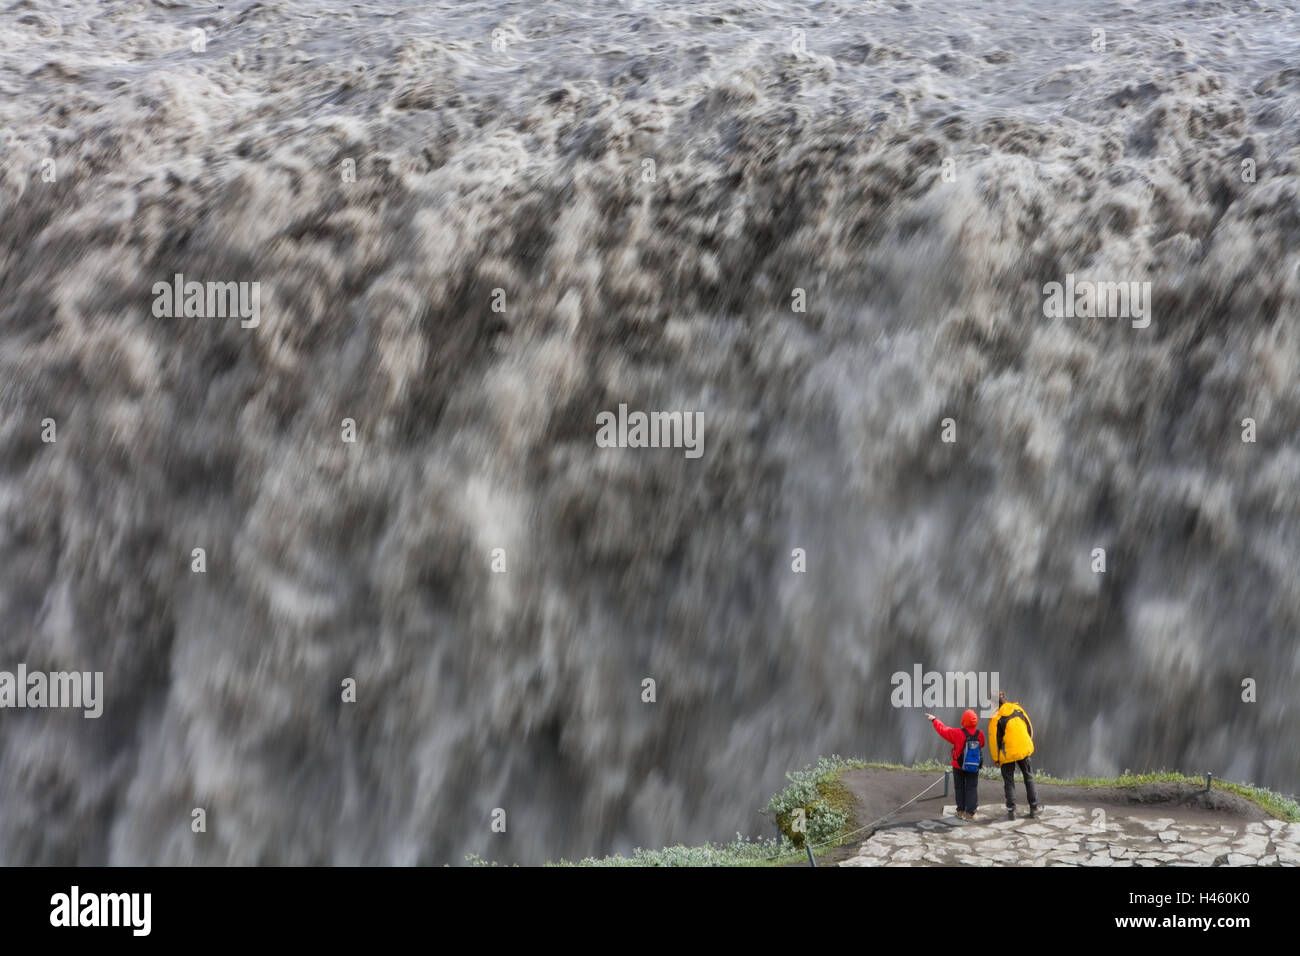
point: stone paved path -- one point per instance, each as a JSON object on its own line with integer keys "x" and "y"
{"x": 1077, "y": 836}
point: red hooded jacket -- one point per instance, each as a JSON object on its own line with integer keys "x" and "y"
{"x": 955, "y": 736}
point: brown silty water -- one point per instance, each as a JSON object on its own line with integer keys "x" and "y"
{"x": 648, "y": 184}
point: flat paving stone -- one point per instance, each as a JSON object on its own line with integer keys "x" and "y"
{"x": 1069, "y": 837}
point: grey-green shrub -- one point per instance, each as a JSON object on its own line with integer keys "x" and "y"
{"x": 824, "y": 822}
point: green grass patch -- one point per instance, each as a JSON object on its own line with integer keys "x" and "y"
{"x": 1275, "y": 804}
{"x": 739, "y": 852}
{"x": 1280, "y": 805}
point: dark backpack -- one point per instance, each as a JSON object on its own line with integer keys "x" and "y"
{"x": 972, "y": 755}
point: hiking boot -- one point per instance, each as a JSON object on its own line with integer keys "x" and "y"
{"x": 1011, "y": 813}
{"x": 1033, "y": 811}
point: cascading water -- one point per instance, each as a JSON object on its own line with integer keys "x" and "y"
{"x": 647, "y": 184}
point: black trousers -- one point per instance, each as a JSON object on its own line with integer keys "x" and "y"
{"x": 967, "y": 786}
{"x": 1009, "y": 782}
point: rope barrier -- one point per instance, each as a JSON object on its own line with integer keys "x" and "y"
{"x": 844, "y": 836}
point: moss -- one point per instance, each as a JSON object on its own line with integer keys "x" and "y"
{"x": 840, "y": 798}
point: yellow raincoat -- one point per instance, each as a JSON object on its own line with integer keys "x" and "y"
{"x": 1011, "y": 735}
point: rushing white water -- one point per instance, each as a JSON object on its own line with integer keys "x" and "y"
{"x": 523, "y": 168}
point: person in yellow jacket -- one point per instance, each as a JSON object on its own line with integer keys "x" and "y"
{"x": 1011, "y": 741}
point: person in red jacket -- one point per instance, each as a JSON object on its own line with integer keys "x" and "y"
{"x": 966, "y": 782}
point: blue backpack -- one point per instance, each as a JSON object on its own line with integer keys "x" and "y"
{"x": 972, "y": 755}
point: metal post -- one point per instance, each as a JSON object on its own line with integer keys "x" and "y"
{"x": 947, "y": 776}
{"x": 811, "y": 861}
{"x": 1209, "y": 777}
